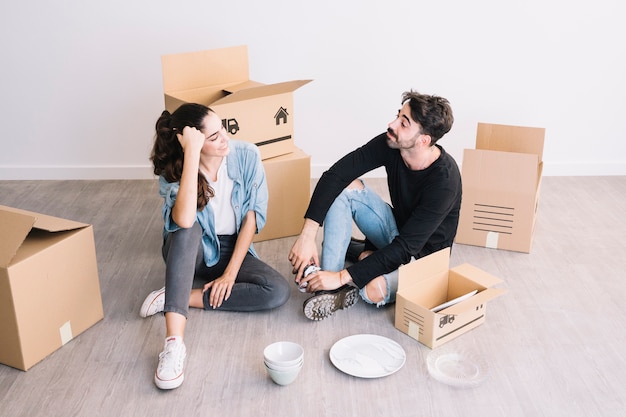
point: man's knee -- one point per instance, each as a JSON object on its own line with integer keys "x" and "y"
{"x": 376, "y": 290}
{"x": 355, "y": 185}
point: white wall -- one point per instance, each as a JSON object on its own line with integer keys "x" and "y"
{"x": 81, "y": 80}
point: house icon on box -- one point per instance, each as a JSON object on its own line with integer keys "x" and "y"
{"x": 281, "y": 114}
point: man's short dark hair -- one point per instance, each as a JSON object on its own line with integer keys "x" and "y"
{"x": 433, "y": 113}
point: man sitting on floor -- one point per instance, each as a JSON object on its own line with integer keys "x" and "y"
{"x": 425, "y": 189}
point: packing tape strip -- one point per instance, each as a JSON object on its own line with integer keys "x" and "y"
{"x": 414, "y": 330}
{"x": 492, "y": 240}
{"x": 66, "y": 333}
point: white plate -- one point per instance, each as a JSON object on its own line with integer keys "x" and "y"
{"x": 367, "y": 356}
{"x": 459, "y": 368}
{"x": 453, "y": 302}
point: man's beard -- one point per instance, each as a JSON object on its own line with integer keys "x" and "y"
{"x": 391, "y": 143}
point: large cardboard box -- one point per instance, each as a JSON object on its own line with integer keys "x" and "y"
{"x": 289, "y": 185}
{"x": 49, "y": 287}
{"x": 428, "y": 282}
{"x": 501, "y": 183}
{"x": 250, "y": 110}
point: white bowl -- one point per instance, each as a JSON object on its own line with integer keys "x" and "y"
{"x": 282, "y": 368}
{"x": 283, "y": 377}
{"x": 283, "y": 354}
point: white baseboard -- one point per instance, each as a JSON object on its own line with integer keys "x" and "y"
{"x": 582, "y": 169}
{"x": 76, "y": 172}
{"x": 145, "y": 171}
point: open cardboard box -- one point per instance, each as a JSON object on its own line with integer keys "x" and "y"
{"x": 250, "y": 110}
{"x": 289, "y": 185}
{"x": 49, "y": 287}
{"x": 428, "y": 282}
{"x": 501, "y": 183}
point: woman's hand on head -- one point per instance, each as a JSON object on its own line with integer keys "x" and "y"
{"x": 191, "y": 139}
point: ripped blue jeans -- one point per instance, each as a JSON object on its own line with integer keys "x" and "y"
{"x": 373, "y": 217}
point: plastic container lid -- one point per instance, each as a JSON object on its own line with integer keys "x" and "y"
{"x": 457, "y": 367}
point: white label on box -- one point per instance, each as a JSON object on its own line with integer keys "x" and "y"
{"x": 414, "y": 330}
{"x": 66, "y": 333}
{"x": 492, "y": 240}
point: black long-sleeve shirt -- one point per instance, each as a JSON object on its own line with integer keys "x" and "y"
{"x": 425, "y": 204}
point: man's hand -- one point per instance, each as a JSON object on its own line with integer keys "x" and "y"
{"x": 326, "y": 280}
{"x": 304, "y": 250}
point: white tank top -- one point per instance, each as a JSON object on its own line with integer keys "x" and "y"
{"x": 221, "y": 202}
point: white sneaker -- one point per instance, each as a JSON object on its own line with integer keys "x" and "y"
{"x": 154, "y": 303}
{"x": 170, "y": 373}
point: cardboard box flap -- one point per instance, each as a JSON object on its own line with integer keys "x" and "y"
{"x": 192, "y": 70}
{"x": 479, "y": 166}
{"x": 14, "y": 228}
{"x": 262, "y": 91}
{"x": 510, "y": 138}
{"x": 477, "y": 275}
{"x": 423, "y": 268}
{"x": 480, "y": 298}
{"x": 47, "y": 223}
{"x": 242, "y": 86}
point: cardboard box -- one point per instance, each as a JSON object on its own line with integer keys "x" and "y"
{"x": 250, "y": 111}
{"x": 501, "y": 183}
{"x": 49, "y": 287}
{"x": 426, "y": 283}
{"x": 289, "y": 185}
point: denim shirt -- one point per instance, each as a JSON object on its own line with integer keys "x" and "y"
{"x": 249, "y": 193}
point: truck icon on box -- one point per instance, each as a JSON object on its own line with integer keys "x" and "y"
{"x": 231, "y": 125}
{"x": 449, "y": 318}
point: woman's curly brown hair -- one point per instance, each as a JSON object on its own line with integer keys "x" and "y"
{"x": 167, "y": 154}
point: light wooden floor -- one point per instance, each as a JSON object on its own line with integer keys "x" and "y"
{"x": 555, "y": 343}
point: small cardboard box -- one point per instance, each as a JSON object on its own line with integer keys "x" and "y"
{"x": 49, "y": 287}
{"x": 250, "y": 111}
{"x": 501, "y": 182}
{"x": 426, "y": 283}
{"x": 289, "y": 185}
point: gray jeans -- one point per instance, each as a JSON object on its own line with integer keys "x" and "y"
{"x": 258, "y": 286}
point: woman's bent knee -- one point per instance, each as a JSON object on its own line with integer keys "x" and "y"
{"x": 280, "y": 293}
